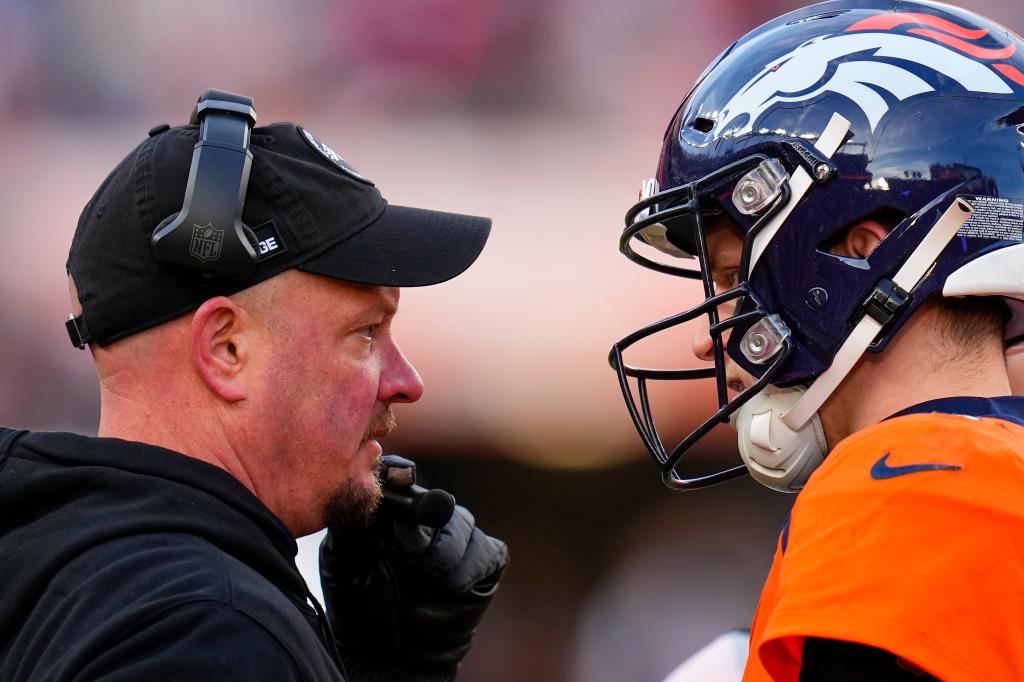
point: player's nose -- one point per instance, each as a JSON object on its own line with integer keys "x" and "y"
{"x": 701, "y": 343}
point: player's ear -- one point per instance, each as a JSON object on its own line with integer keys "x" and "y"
{"x": 861, "y": 239}
{"x": 220, "y": 346}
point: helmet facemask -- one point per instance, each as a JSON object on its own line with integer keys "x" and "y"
{"x": 675, "y": 222}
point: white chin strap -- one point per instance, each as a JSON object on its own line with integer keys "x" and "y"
{"x": 780, "y": 435}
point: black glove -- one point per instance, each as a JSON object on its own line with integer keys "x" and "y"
{"x": 408, "y": 596}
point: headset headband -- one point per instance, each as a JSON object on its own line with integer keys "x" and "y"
{"x": 208, "y": 233}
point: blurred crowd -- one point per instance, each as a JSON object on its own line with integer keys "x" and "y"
{"x": 543, "y": 114}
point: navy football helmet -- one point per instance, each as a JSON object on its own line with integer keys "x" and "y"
{"x": 834, "y": 113}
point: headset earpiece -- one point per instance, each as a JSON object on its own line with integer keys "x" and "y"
{"x": 208, "y": 233}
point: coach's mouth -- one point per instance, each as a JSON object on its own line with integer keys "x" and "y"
{"x": 382, "y": 424}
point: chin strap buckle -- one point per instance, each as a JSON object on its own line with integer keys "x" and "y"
{"x": 886, "y": 301}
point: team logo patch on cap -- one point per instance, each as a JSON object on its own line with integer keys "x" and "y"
{"x": 206, "y": 242}
{"x": 333, "y": 156}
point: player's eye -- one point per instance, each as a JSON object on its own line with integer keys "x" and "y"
{"x": 727, "y": 280}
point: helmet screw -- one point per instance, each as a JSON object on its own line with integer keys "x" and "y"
{"x": 749, "y": 194}
{"x": 822, "y": 171}
{"x": 817, "y": 298}
{"x": 757, "y": 344}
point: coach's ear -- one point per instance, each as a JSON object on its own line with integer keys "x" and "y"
{"x": 220, "y": 347}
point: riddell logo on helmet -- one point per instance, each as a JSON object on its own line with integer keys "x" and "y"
{"x": 826, "y": 64}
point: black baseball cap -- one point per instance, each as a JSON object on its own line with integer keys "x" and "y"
{"x": 308, "y": 208}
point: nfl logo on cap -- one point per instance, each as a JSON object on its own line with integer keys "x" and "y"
{"x": 206, "y": 241}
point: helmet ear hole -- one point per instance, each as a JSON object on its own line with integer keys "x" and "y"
{"x": 889, "y": 218}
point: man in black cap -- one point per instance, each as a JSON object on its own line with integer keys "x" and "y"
{"x": 236, "y": 287}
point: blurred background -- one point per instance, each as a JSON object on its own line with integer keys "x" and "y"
{"x": 543, "y": 114}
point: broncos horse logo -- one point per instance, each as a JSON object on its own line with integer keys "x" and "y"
{"x": 860, "y": 62}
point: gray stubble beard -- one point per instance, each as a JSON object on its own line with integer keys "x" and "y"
{"x": 353, "y": 503}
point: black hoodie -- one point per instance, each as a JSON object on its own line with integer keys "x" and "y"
{"x": 124, "y": 561}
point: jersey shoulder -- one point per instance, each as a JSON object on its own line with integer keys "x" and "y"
{"x": 912, "y": 522}
{"x": 942, "y": 452}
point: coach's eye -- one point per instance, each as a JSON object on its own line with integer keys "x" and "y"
{"x": 369, "y": 332}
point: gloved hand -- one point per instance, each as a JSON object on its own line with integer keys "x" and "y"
{"x": 407, "y": 595}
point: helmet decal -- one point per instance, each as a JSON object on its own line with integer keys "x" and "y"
{"x": 951, "y": 34}
{"x": 887, "y": 21}
{"x": 857, "y": 64}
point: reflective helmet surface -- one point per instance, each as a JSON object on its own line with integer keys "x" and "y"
{"x": 934, "y": 97}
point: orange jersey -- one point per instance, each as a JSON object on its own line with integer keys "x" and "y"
{"x": 908, "y": 538}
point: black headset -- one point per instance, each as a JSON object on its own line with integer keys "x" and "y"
{"x": 208, "y": 233}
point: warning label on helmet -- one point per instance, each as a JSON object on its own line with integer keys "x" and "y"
{"x": 995, "y": 218}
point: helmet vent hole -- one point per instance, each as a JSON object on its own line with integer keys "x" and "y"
{"x": 824, "y": 15}
{"x": 703, "y": 124}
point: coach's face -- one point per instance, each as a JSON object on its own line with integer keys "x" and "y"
{"x": 328, "y": 372}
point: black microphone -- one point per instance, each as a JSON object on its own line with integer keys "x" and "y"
{"x": 433, "y": 508}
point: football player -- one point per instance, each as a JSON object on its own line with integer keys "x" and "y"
{"x": 848, "y": 181}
